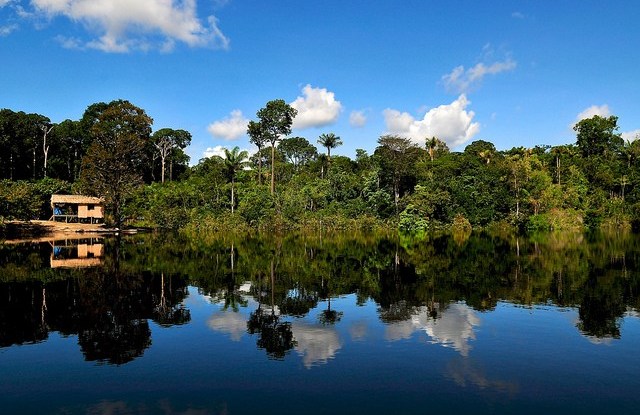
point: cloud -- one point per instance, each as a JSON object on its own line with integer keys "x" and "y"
{"x": 451, "y": 123}
{"x": 318, "y": 107}
{"x": 229, "y": 128}
{"x": 631, "y": 135}
{"x": 214, "y": 151}
{"x": 461, "y": 80}
{"x": 219, "y": 151}
{"x": 601, "y": 110}
{"x": 517, "y": 15}
{"x": 357, "y": 119}
{"x": 125, "y": 25}
{"x": 6, "y": 30}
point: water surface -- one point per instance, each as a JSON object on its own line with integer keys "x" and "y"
{"x": 166, "y": 324}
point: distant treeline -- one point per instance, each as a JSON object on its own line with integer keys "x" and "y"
{"x": 292, "y": 184}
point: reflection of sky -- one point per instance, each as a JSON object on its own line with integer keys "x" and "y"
{"x": 453, "y": 328}
{"x": 316, "y": 344}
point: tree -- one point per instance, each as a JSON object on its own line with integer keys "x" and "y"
{"x": 298, "y": 151}
{"x": 397, "y": 156}
{"x": 234, "y": 161}
{"x": 257, "y": 137}
{"x": 275, "y": 121}
{"x": 166, "y": 140}
{"x": 596, "y": 136}
{"x": 329, "y": 141}
{"x": 112, "y": 166}
{"x": 70, "y": 139}
{"x": 436, "y": 146}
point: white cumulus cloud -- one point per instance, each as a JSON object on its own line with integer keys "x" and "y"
{"x": 214, "y": 151}
{"x": 461, "y": 80}
{"x": 451, "y": 123}
{"x": 125, "y": 25}
{"x": 357, "y": 119}
{"x": 631, "y": 135}
{"x": 601, "y": 110}
{"x": 316, "y": 108}
{"x": 231, "y": 127}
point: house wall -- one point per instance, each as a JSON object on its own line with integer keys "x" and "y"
{"x": 85, "y": 212}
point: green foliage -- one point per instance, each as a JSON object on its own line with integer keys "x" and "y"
{"x": 412, "y": 222}
{"x": 112, "y": 167}
{"x": 26, "y": 200}
{"x": 256, "y": 205}
{"x": 592, "y": 184}
{"x": 596, "y": 136}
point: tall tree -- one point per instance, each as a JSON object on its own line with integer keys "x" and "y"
{"x": 397, "y": 156}
{"x": 275, "y": 121}
{"x": 596, "y": 136}
{"x": 257, "y": 137}
{"x": 166, "y": 140}
{"x": 329, "y": 141}
{"x": 112, "y": 166}
{"x": 234, "y": 161}
{"x": 436, "y": 146}
{"x": 298, "y": 151}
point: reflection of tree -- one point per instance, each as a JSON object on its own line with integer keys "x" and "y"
{"x": 22, "y": 313}
{"x": 108, "y": 308}
{"x": 328, "y": 316}
{"x": 275, "y": 336}
{"x": 601, "y": 307}
{"x": 112, "y": 342}
{"x": 168, "y": 311}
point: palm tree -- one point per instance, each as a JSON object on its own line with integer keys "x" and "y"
{"x": 329, "y": 141}
{"x": 432, "y": 143}
{"x": 234, "y": 161}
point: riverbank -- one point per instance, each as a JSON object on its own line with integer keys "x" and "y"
{"x": 12, "y": 230}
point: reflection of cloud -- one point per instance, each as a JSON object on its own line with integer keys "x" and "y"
{"x": 453, "y": 328}
{"x": 316, "y": 344}
{"x": 607, "y": 341}
{"x": 463, "y": 371}
{"x": 122, "y": 407}
{"x": 358, "y": 330}
{"x": 399, "y": 330}
{"x": 232, "y": 323}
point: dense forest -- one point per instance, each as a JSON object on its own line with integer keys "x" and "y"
{"x": 290, "y": 183}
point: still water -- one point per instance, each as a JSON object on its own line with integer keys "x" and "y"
{"x": 343, "y": 324}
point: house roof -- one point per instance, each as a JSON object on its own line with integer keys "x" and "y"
{"x": 76, "y": 199}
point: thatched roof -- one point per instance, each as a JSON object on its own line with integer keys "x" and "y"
{"x": 76, "y": 200}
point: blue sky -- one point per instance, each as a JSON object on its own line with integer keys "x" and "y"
{"x": 516, "y": 73}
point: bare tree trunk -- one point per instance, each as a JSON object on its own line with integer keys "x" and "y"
{"x": 163, "y": 158}
{"x": 45, "y": 147}
{"x": 273, "y": 168}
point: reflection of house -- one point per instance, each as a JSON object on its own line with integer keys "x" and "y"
{"x": 77, "y": 208}
{"x": 77, "y": 253}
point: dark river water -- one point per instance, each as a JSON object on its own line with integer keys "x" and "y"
{"x": 165, "y": 324}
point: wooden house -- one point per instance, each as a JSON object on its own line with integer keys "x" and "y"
{"x": 77, "y": 209}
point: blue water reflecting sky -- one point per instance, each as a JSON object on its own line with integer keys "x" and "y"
{"x": 529, "y": 359}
